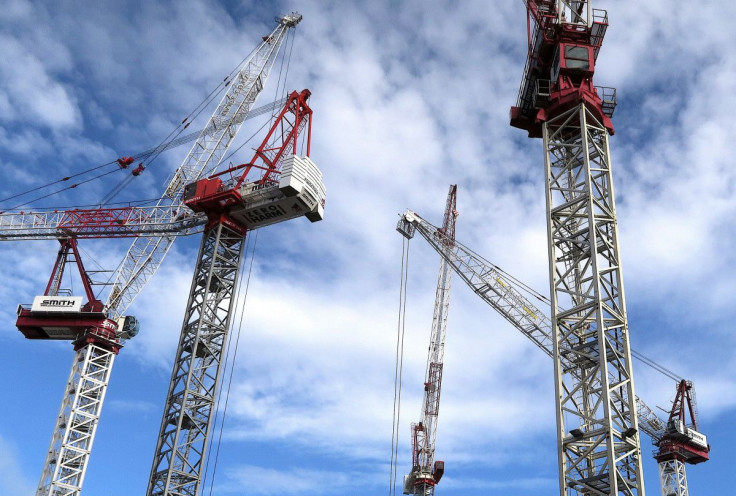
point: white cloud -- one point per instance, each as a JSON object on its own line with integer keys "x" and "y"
{"x": 407, "y": 100}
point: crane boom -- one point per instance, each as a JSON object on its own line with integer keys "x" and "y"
{"x": 96, "y": 333}
{"x": 118, "y": 222}
{"x": 502, "y": 295}
{"x": 677, "y": 440}
{"x": 425, "y": 472}
{"x": 146, "y": 254}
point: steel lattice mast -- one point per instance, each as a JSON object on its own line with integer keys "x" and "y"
{"x": 95, "y": 350}
{"x": 598, "y": 434}
{"x": 425, "y": 472}
{"x": 178, "y": 465}
{"x": 155, "y": 229}
{"x": 677, "y": 442}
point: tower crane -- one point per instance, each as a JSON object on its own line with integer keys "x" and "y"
{"x": 225, "y": 205}
{"x": 426, "y": 472}
{"x": 677, "y": 439}
{"x": 598, "y": 443}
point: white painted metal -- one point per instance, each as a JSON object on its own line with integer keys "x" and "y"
{"x": 132, "y": 221}
{"x": 506, "y": 296}
{"x": 146, "y": 254}
{"x": 598, "y": 433}
{"x": 178, "y": 464}
{"x": 672, "y": 478}
{"x": 419, "y": 481}
{"x": 74, "y": 433}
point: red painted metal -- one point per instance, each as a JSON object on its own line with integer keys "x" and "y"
{"x": 555, "y": 79}
{"x": 215, "y": 196}
{"x": 679, "y": 442}
{"x": 73, "y": 325}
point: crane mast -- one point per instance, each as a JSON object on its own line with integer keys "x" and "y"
{"x": 676, "y": 445}
{"x": 425, "y": 472}
{"x": 289, "y": 186}
{"x": 681, "y": 442}
{"x": 597, "y": 429}
{"x": 99, "y": 334}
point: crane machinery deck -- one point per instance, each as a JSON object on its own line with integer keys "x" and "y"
{"x": 677, "y": 439}
{"x": 598, "y": 444}
{"x": 196, "y": 198}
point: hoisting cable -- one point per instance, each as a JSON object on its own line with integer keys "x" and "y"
{"x": 166, "y": 145}
{"x": 656, "y": 366}
{"x": 231, "y": 362}
{"x": 398, "y": 366}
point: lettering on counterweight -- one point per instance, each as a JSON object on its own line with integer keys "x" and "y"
{"x": 265, "y": 213}
{"x": 57, "y": 303}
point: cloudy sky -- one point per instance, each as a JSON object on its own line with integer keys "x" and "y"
{"x": 408, "y": 97}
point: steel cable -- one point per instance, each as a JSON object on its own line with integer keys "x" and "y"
{"x": 399, "y": 366}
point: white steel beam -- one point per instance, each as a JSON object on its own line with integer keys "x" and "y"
{"x": 598, "y": 435}
{"x": 178, "y": 465}
{"x": 672, "y": 478}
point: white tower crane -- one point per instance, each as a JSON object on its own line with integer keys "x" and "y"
{"x": 95, "y": 327}
{"x": 677, "y": 439}
{"x": 598, "y": 444}
{"x": 425, "y": 471}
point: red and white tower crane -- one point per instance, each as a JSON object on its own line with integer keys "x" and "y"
{"x": 677, "y": 439}
{"x": 425, "y": 471}
{"x": 226, "y": 205}
{"x": 598, "y": 442}
{"x": 681, "y": 442}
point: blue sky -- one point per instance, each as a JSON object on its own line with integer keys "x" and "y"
{"x": 408, "y": 98}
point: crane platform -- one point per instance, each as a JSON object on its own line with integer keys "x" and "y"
{"x": 60, "y": 318}
{"x": 298, "y": 192}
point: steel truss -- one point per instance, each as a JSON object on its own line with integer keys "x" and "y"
{"x": 180, "y": 451}
{"x": 598, "y": 437}
{"x": 74, "y": 433}
{"x": 146, "y": 254}
{"x": 672, "y": 478}
{"x": 504, "y": 295}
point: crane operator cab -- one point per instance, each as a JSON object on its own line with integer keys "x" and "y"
{"x": 128, "y": 327}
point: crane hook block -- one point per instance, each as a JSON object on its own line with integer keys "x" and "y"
{"x": 137, "y": 171}
{"x": 124, "y": 162}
